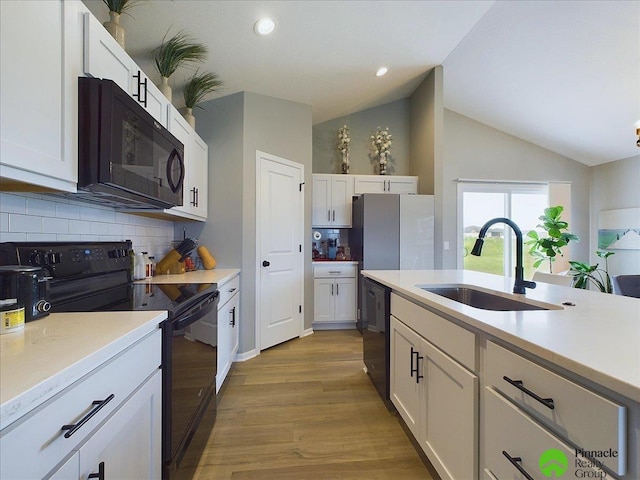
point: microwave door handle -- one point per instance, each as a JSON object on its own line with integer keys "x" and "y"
{"x": 172, "y": 158}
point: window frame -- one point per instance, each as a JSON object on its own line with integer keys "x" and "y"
{"x": 495, "y": 186}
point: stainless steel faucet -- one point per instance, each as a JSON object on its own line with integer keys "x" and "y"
{"x": 520, "y": 284}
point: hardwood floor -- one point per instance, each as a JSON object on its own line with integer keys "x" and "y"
{"x": 305, "y": 409}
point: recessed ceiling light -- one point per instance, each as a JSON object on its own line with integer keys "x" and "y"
{"x": 264, "y": 26}
{"x": 381, "y": 71}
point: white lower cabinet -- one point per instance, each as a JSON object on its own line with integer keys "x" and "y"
{"x": 516, "y": 447}
{"x": 112, "y": 415}
{"x": 128, "y": 444}
{"x": 228, "y": 328}
{"x": 438, "y": 400}
{"x": 334, "y": 296}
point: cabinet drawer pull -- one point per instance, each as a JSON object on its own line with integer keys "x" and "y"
{"x": 232, "y": 322}
{"x": 231, "y": 290}
{"x": 547, "y": 402}
{"x": 337, "y": 289}
{"x": 416, "y": 369}
{"x": 100, "y": 474}
{"x": 332, "y": 289}
{"x": 515, "y": 462}
{"x": 98, "y": 404}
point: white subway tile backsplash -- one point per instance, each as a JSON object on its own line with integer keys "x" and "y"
{"x": 13, "y": 237}
{"x": 79, "y": 227}
{"x": 10, "y": 203}
{"x": 36, "y": 217}
{"x": 43, "y": 208}
{"x": 65, "y": 210}
{"x": 25, "y": 223}
{"x": 55, "y": 225}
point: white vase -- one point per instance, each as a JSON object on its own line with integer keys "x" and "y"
{"x": 114, "y": 28}
{"x": 165, "y": 88}
{"x": 187, "y": 113}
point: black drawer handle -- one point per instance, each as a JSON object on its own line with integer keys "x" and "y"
{"x": 416, "y": 369}
{"x": 98, "y": 404}
{"x": 547, "y": 402}
{"x": 100, "y": 474}
{"x": 515, "y": 461}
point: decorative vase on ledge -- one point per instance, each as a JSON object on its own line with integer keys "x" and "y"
{"x": 345, "y": 162}
{"x": 187, "y": 113}
{"x": 114, "y": 28}
{"x": 165, "y": 88}
{"x": 383, "y": 163}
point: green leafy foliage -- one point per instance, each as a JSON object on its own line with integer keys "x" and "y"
{"x": 200, "y": 85}
{"x": 584, "y": 274}
{"x": 549, "y": 247}
{"x": 176, "y": 51}
{"x": 120, "y": 6}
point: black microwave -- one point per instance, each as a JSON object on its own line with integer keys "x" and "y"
{"x": 126, "y": 159}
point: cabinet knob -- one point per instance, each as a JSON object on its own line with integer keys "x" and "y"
{"x": 266, "y": 263}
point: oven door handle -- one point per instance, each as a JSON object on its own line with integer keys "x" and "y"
{"x": 208, "y": 304}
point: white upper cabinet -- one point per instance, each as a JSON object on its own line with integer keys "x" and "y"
{"x": 40, "y": 60}
{"x": 332, "y": 199}
{"x": 105, "y": 58}
{"x": 385, "y": 184}
{"x": 196, "y": 159}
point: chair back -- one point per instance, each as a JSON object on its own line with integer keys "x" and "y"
{"x": 627, "y": 285}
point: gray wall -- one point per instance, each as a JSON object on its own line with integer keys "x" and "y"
{"x": 473, "y": 150}
{"x": 426, "y": 141}
{"x": 235, "y": 127}
{"x": 614, "y": 185}
{"x": 395, "y": 115}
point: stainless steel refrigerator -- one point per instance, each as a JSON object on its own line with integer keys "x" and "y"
{"x": 391, "y": 232}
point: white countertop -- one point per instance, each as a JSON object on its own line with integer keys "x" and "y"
{"x": 598, "y": 338}
{"x": 216, "y": 275}
{"x": 52, "y": 352}
{"x": 332, "y": 262}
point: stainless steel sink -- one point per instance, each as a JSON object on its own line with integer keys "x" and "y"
{"x": 485, "y": 300}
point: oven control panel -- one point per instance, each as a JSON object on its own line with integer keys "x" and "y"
{"x": 64, "y": 260}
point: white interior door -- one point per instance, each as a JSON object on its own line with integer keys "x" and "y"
{"x": 280, "y": 239}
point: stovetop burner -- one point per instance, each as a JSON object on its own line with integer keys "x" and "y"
{"x": 96, "y": 276}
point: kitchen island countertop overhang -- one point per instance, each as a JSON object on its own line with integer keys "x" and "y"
{"x": 596, "y": 337}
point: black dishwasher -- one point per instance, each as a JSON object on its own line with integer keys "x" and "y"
{"x": 375, "y": 335}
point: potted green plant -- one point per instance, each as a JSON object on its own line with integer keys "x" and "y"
{"x": 549, "y": 247}
{"x": 173, "y": 53}
{"x": 196, "y": 89}
{"x": 117, "y": 8}
{"x": 583, "y": 274}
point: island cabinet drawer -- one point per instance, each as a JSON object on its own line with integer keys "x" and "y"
{"x": 514, "y": 443}
{"x": 228, "y": 290}
{"x": 457, "y": 342}
{"x": 39, "y": 436}
{"x": 583, "y": 417}
{"x": 328, "y": 270}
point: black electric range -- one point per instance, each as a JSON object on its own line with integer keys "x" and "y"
{"x": 96, "y": 276}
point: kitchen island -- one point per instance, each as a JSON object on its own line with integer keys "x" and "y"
{"x": 582, "y": 352}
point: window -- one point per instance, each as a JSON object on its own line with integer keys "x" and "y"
{"x": 478, "y": 203}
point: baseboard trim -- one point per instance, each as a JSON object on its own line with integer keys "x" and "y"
{"x": 243, "y": 357}
{"x": 306, "y": 332}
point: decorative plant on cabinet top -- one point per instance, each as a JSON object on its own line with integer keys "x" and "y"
{"x": 343, "y": 147}
{"x": 117, "y": 8}
{"x": 173, "y": 53}
{"x": 381, "y": 142}
{"x": 549, "y": 247}
{"x": 196, "y": 89}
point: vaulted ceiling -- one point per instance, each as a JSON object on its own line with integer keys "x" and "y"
{"x": 564, "y": 75}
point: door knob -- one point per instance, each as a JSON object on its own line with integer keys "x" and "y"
{"x": 266, "y": 263}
